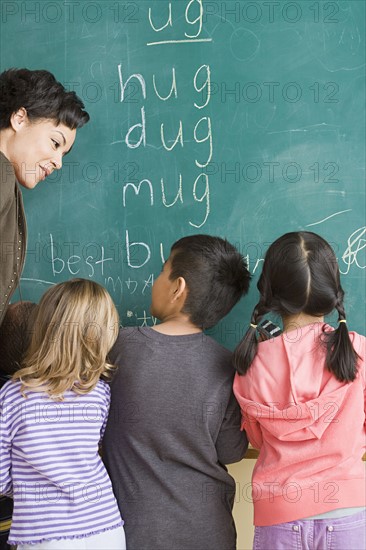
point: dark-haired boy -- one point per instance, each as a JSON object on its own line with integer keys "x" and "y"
{"x": 174, "y": 422}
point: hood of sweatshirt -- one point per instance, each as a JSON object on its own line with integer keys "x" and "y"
{"x": 288, "y": 389}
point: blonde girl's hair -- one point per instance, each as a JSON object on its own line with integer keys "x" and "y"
{"x": 75, "y": 326}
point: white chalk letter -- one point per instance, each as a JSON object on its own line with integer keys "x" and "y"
{"x": 197, "y": 20}
{"x": 172, "y": 89}
{"x": 136, "y": 255}
{"x": 139, "y": 77}
{"x": 207, "y": 137}
{"x": 169, "y": 21}
{"x": 179, "y": 137}
{"x": 206, "y": 84}
{"x": 140, "y": 125}
{"x": 137, "y": 188}
{"x": 206, "y": 195}
{"x": 178, "y": 196}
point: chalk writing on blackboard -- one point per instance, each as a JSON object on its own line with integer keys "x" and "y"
{"x": 355, "y": 251}
{"x": 250, "y": 132}
{"x": 140, "y": 135}
{"x": 328, "y": 217}
{"x": 96, "y": 264}
{"x": 193, "y": 17}
{"x": 172, "y": 89}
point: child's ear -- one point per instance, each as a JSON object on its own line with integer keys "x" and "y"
{"x": 180, "y": 289}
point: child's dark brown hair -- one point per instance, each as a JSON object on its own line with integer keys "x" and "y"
{"x": 301, "y": 275}
{"x": 15, "y": 333}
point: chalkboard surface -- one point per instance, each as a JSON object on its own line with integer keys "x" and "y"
{"x": 240, "y": 119}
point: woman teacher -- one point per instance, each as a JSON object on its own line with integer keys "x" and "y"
{"x": 38, "y": 123}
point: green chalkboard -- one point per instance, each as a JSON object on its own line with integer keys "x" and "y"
{"x": 240, "y": 119}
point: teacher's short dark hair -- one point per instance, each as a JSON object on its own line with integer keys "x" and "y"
{"x": 42, "y": 96}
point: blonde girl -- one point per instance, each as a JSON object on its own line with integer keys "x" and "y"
{"x": 53, "y": 416}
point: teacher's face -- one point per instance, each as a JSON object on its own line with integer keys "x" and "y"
{"x": 37, "y": 148}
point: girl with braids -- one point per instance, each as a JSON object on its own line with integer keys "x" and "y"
{"x": 302, "y": 397}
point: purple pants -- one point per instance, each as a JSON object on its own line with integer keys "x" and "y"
{"x": 346, "y": 533}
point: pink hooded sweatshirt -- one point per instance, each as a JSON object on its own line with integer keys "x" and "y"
{"x": 309, "y": 427}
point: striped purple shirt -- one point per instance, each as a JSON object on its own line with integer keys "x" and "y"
{"x": 50, "y": 464}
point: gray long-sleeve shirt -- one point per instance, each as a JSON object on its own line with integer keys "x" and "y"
{"x": 173, "y": 424}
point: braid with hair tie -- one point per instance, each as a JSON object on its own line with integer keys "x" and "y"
{"x": 247, "y": 348}
{"x": 339, "y": 305}
{"x": 341, "y": 357}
